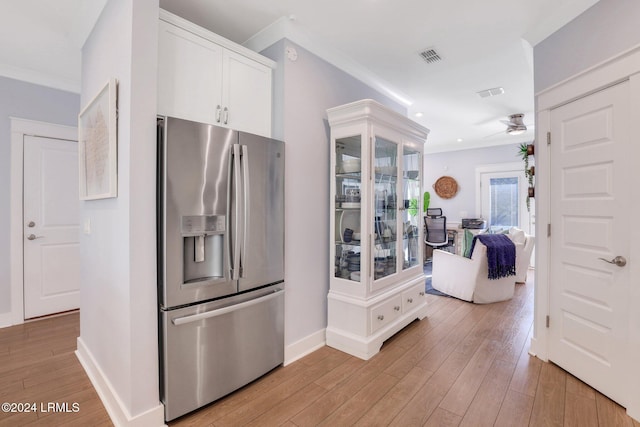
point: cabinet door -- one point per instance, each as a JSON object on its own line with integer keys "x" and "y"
{"x": 189, "y": 75}
{"x": 246, "y": 95}
{"x": 386, "y": 229}
{"x": 410, "y": 206}
{"x": 349, "y": 234}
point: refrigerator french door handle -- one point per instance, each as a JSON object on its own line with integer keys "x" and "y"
{"x": 220, "y": 311}
{"x": 247, "y": 208}
{"x": 237, "y": 226}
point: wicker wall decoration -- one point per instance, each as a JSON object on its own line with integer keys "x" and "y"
{"x": 446, "y": 187}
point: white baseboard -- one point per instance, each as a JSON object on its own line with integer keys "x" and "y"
{"x": 6, "y": 320}
{"x": 305, "y": 346}
{"x": 117, "y": 411}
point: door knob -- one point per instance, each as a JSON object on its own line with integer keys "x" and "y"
{"x": 620, "y": 261}
{"x": 31, "y": 224}
{"x": 34, "y": 237}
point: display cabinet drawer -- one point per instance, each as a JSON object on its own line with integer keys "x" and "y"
{"x": 385, "y": 312}
{"x": 413, "y": 297}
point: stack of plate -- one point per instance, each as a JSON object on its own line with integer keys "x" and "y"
{"x": 353, "y": 262}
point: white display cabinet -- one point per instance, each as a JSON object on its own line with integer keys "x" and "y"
{"x": 377, "y": 282}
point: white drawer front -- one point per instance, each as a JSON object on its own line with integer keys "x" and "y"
{"x": 385, "y": 312}
{"x": 413, "y": 297}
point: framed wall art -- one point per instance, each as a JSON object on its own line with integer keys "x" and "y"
{"x": 97, "y": 145}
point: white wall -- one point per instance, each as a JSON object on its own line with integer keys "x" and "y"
{"x": 305, "y": 89}
{"x": 461, "y": 165}
{"x": 602, "y": 31}
{"x": 33, "y": 102}
{"x": 118, "y": 316}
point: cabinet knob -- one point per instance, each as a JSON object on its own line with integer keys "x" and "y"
{"x": 380, "y": 317}
{"x": 396, "y": 308}
{"x": 410, "y": 300}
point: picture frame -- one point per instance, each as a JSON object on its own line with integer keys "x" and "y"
{"x": 97, "y": 145}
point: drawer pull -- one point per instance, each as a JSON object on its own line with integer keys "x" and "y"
{"x": 410, "y": 300}
{"x": 421, "y": 294}
{"x": 396, "y": 308}
{"x": 380, "y": 317}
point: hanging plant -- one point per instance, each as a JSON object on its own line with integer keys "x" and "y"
{"x": 524, "y": 151}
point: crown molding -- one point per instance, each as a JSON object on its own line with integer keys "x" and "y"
{"x": 39, "y": 78}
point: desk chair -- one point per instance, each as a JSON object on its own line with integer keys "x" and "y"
{"x": 436, "y": 231}
{"x": 434, "y": 212}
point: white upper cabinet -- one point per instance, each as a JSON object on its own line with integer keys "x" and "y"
{"x": 206, "y": 78}
{"x": 246, "y": 95}
{"x": 189, "y": 75}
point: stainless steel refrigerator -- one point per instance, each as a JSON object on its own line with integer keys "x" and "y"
{"x": 220, "y": 261}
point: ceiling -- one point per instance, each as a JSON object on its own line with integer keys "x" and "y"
{"x": 482, "y": 45}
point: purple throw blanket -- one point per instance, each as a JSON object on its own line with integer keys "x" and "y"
{"x": 501, "y": 254}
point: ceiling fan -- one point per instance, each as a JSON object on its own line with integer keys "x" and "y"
{"x": 515, "y": 125}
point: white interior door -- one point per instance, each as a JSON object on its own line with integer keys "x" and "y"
{"x": 589, "y": 199}
{"x": 51, "y": 226}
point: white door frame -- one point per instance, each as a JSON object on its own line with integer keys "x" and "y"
{"x": 625, "y": 66}
{"x": 20, "y": 128}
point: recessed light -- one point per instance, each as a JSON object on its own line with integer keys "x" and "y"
{"x": 419, "y": 114}
{"x": 459, "y": 140}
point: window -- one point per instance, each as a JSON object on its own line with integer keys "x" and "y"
{"x": 501, "y": 196}
{"x": 503, "y": 199}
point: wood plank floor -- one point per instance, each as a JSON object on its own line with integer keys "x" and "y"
{"x": 464, "y": 365}
{"x": 38, "y": 366}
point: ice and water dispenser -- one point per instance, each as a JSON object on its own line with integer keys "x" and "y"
{"x": 203, "y": 247}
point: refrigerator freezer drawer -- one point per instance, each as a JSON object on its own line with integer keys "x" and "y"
{"x": 212, "y": 349}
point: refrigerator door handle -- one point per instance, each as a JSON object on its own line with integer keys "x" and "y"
{"x": 246, "y": 195}
{"x": 237, "y": 225}
{"x": 220, "y": 311}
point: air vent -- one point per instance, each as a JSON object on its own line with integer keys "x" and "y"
{"x": 430, "y": 55}
{"x": 490, "y": 92}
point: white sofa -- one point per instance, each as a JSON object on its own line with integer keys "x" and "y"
{"x": 467, "y": 278}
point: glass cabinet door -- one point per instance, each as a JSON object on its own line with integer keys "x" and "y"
{"x": 385, "y": 207}
{"x": 410, "y": 213}
{"x": 348, "y": 171}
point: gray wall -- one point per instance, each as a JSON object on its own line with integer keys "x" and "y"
{"x": 461, "y": 165}
{"x": 602, "y": 31}
{"x": 33, "y": 102}
{"x": 304, "y": 90}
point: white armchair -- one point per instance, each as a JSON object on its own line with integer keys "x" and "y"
{"x": 524, "y": 260}
{"x": 467, "y": 278}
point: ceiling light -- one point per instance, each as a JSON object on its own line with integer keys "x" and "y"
{"x": 459, "y": 140}
{"x": 515, "y": 126}
{"x": 419, "y": 114}
{"x": 516, "y": 130}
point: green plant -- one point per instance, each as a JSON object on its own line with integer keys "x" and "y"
{"x": 523, "y": 152}
{"x": 413, "y": 207}
{"x": 425, "y": 201}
